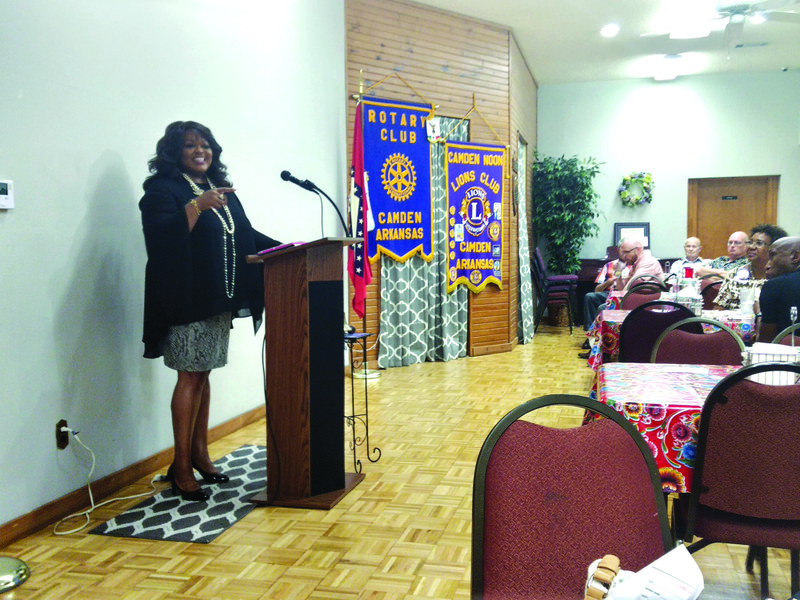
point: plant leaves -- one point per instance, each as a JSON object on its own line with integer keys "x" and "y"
{"x": 564, "y": 206}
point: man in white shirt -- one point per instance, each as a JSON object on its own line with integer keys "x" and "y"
{"x": 691, "y": 249}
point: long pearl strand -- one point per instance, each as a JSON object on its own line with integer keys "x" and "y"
{"x": 227, "y": 230}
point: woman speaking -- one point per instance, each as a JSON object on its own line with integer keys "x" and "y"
{"x": 197, "y": 281}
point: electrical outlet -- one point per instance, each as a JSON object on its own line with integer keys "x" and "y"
{"x": 62, "y": 437}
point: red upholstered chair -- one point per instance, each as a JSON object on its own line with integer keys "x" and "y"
{"x": 709, "y": 290}
{"x": 674, "y": 345}
{"x": 547, "y": 502}
{"x": 671, "y": 281}
{"x": 641, "y": 293}
{"x": 641, "y": 328}
{"x": 635, "y": 299}
{"x": 785, "y": 336}
{"x": 647, "y": 278}
{"x": 746, "y": 481}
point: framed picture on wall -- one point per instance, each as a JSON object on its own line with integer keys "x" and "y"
{"x": 632, "y": 230}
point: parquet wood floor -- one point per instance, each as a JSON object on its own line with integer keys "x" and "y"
{"x": 403, "y": 533}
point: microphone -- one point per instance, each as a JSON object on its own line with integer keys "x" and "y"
{"x": 311, "y": 187}
{"x": 305, "y": 184}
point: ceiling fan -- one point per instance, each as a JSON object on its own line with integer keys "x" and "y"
{"x": 737, "y": 12}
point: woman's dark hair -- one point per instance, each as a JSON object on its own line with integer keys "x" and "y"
{"x": 167, "y": 161}
{"x": 773, "y": 231}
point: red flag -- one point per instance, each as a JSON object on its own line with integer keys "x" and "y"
{"x": 357, "y": 262}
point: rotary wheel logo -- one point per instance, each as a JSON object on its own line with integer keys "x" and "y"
{"x": 398, "y": 177}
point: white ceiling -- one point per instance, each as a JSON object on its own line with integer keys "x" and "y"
{"x": 561, "y": 42}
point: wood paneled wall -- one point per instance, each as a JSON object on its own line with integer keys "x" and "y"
{"x": 450, "y": 60}
{"x": 523, "y": 124}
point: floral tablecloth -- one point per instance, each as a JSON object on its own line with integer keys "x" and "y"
{"x": 605, "y": 336}
{"x": 663, "y": 401}
{"x": 614, "y": 301}
{"x": 743, "y": 325}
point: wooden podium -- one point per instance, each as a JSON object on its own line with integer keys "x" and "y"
{"x": 304, "y": 361}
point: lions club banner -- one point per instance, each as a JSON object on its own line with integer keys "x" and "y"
{"x": 398, "y": 168}
{"x": 474, "y": 214}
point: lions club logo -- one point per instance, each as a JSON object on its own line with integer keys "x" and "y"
{"x": 475, "y": 210}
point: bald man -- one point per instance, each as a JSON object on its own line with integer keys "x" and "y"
{"x": 782, "y": 290}
{"x": 639, "y": 261}
{"x": 724, "y": 265}
{"x": 691, "y": 249}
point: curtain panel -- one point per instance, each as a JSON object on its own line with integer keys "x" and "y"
{"x": 419, "y": 320}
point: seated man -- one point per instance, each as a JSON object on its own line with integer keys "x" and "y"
{"x": 605, "y": 282}
{"x": 639, "y": 261}
{"x": 782, "y": 290}
{"x": 724, "y": 265}
{"x": 633, "y": 260}
{"x": 691, "y": 249}
{"x": 750, "y": 278}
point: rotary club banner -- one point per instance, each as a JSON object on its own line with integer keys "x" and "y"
{"x": 398, "y": 177}
{"x": 474, "y": 214}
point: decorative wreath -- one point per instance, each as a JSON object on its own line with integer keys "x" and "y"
{"x": 636, "y": 180}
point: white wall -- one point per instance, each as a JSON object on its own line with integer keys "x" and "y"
{"x": 693, "y": 127}
{"x": 88, "y": 88}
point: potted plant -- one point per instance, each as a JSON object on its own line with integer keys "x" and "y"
{"x": 564, "y": 206}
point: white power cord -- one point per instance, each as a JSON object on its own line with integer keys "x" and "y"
{"x": 88, "y": 511}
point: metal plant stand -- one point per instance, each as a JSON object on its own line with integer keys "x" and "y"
{"x": 352, "y": 340}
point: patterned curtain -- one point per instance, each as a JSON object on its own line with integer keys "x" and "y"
{"x": 525, "y": 307}
{"x": 420, "y": 321}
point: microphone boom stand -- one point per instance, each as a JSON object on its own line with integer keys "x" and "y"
{"x": 318, "y": 191}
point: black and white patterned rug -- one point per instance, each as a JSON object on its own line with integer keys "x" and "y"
{"x": 166, "y": 517}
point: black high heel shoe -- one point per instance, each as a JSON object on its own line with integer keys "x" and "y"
{"x": 210, "y": 477}
{"x": 195, "y": 496}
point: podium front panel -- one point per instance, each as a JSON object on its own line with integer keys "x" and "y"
{"x": 326, "y": 370}
{"x": 303, "y": 294}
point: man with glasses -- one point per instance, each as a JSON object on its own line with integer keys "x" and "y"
{"x": 753, "y": 275}
{"x": 633, "y": 260}
{"x": 639, "y": 261}
{"x": 724, "y": 265}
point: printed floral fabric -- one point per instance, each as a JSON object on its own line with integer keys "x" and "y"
{"x": 664, "y": 402}
{"x": 605, "y": 332}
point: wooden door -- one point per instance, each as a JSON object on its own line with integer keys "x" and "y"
{"x": 719, "y": 206}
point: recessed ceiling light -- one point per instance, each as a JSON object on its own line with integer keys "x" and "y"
{"x": 610, "y": 30}
{"x": 667, "y": 68}
{"x": 690, "y": 30}
{"x": 664, "y": 66}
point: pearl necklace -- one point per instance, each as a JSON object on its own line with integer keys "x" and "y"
{"x": 227, "y": 230}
